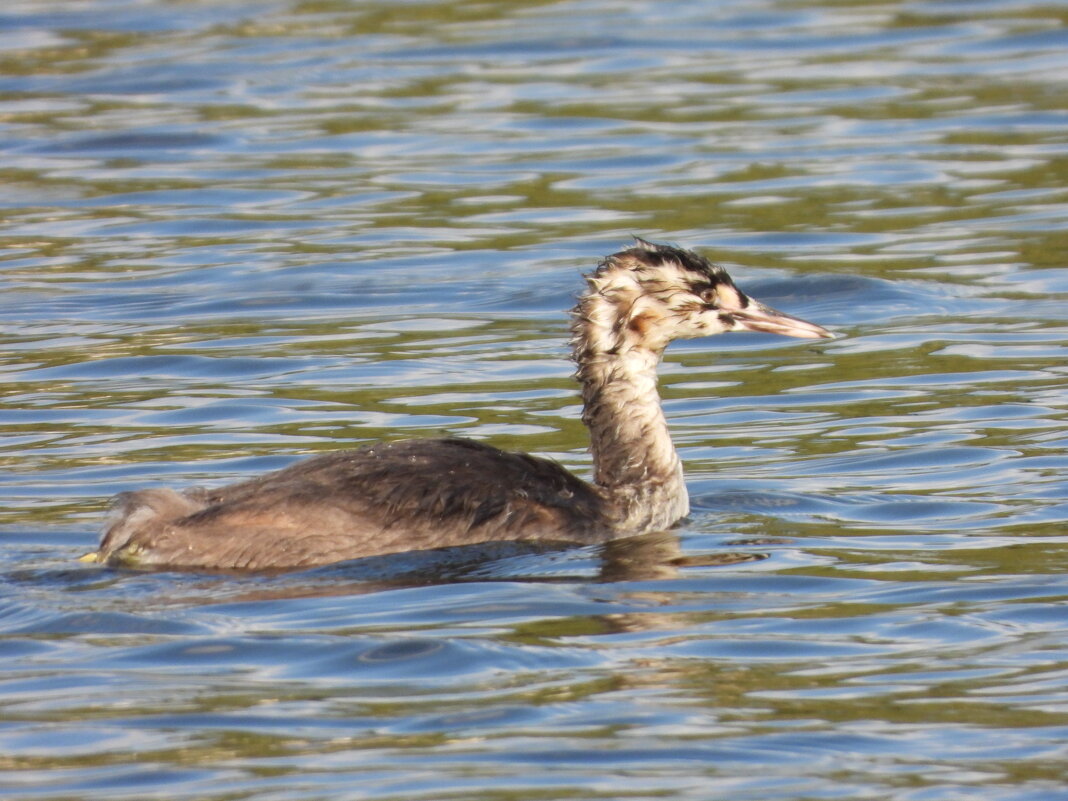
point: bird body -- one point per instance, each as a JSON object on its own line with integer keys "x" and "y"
{"x": 379, "y": 499}
{"x": 433, "y": 493}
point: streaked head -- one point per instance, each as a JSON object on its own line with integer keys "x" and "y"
{"x": 647, "y": 295}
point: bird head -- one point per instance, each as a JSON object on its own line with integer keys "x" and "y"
{"x": 649, "y": 294}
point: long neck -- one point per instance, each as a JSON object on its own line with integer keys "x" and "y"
{"x": 635, "y": 462}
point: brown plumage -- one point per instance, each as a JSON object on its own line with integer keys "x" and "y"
{"x": 421, "y": 494}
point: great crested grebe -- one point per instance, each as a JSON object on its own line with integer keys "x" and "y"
{"x": 434, "y": 493}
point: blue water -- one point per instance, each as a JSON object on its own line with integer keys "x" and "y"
{"x": 235, "y": 234}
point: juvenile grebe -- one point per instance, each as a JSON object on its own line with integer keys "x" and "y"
{"x": 432, "y": 493}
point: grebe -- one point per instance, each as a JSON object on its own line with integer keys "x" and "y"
{"x": 433, "y": 493}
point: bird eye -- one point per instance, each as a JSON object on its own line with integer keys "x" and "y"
{"x": 710, "y": 295}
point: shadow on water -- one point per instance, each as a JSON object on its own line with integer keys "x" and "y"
{"x": 238, "y": 234}
{"x": 644, "y": 558}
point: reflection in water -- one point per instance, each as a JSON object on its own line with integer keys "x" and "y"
{"x": 643, "y": 558}
{"x": 238, "y": 234}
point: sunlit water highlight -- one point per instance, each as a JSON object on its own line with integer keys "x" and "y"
{"x": 239, "y": 233}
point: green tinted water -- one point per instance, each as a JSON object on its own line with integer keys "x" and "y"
{"x": 235, "y": 234}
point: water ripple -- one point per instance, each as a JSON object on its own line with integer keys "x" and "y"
{"x": 235, "y": 234}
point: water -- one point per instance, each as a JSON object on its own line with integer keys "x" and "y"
{"x": 238, "y": 233}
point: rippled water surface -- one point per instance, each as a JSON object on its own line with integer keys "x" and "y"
{"x": 238, "y": 233}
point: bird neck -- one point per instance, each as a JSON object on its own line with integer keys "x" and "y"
{"x": 634, "y": 460}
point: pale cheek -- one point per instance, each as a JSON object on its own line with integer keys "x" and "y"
{"x": 710, "y": 323}
{"x": 696, "y": 328}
